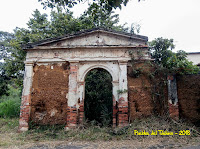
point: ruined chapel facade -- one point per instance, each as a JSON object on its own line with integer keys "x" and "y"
{"x": 55, "y": 71}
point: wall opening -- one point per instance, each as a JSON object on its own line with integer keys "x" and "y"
{"x": 98, "y": 103}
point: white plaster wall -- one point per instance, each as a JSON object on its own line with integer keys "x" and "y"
{"x": 195, "y": 58}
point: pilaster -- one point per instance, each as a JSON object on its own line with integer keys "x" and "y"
{"x": 26, "y": 98}
{"x": 72, "y": 109}
{"x": 123, "y": 95}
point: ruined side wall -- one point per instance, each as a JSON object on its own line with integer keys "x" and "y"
{"x": 139, "y": 92}
{"x": 188, "y": 87}
{"x": 49, "y": 90}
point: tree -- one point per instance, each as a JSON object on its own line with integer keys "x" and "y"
{"x": 5, "y": 39}
{"x": 62, "y": 23}
{"x": 106, "y": 4}
{"x": 173, "y": 63}
{"x": 96, "y": 16}
{"x": 38, "y": 27}
{"x": 161, "y": 49}
{"x": 3, "y": 81}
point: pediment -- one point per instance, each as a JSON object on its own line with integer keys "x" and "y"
{"x": 93, "y": 38}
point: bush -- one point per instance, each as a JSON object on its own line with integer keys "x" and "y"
{"x": 10, "y": 105}
{"x": 10, "y": 108}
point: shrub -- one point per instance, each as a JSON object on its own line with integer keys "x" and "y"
{"x": 10, "y": 108}
{"x": 10, "y": 105}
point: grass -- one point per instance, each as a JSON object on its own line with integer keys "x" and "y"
{"x": 10, "y": 137}
{"x": 8, "y": 129}
{"x": 10, "y": 105}
{"x": 9, "y": 115}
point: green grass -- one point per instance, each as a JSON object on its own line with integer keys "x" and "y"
{"x": 9, "y": 135}
{"x": 8, "y": 125}
{"x": 10, "y": 105}
{"x": 8, "y": 131}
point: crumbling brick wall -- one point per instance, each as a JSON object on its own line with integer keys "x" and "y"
{"x": 139, "y": 92}
{"x": 188, "y": 87}
{"x": 48, "y": 97}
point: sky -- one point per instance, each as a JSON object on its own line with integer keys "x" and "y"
{"x": 176, "y": 19}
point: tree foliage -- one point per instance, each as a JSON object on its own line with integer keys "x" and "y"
{"x": 98, "y": 97}
{"x": 105, "y": 4}
{"x": 173, "y": 63}
{"x": 161, "y": 49}
{"x": 96, "y": 16}
{"x": 3, "y": 81}
{"x": 63, "y": 23}
{"x": 5, "y": 39}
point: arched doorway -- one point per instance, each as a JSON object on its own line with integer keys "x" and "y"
{"x": 98, "y": 103}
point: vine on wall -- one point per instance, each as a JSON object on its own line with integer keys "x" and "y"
{"x": 157, "y": 77}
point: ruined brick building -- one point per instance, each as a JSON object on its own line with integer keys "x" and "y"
{"x": 55, "y": 71}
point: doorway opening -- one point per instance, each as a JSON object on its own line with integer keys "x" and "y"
{"x": 98, "y": 103}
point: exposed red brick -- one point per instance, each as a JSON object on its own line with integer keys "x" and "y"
{"x": 188, "y": 90}
{"x": 140, "y": 99}
{"x": 173, "y": 111}
{"x": 48, "y": 98}
{"x": 24, "y": 112}
{"x": 122, "y": 115}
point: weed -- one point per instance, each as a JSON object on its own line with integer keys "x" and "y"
{"x": 8, "y": 129}
{"x": 10, "y": 105}
{"x": 10, "y": 108}
{"x": 122, "y": 91}
{"x": 8, "y": 125}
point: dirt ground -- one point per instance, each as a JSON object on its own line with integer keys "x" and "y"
{"x": 125, "y": 144}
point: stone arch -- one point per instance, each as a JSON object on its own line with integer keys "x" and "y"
{"x": 84, "y": 74}
{"x": 76, "y": 94}
{"x": 111, "y": 67}
{"x": 96, "y": 67}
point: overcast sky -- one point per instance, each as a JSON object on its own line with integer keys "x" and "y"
{"x": 177, "y": 19}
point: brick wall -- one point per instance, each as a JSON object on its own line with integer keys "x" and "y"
{"x": 139, "y": 93}
{"x": 188, "y": 87}
{"x": 48, "y": 97}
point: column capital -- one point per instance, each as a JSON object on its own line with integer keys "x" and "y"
{"x": 73, "y": 62}
{"x": 80, "y": 82}
{"x": 29, "y": 63}
{"x": 115, "y": 82}
{"x": 123, "y": 62}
